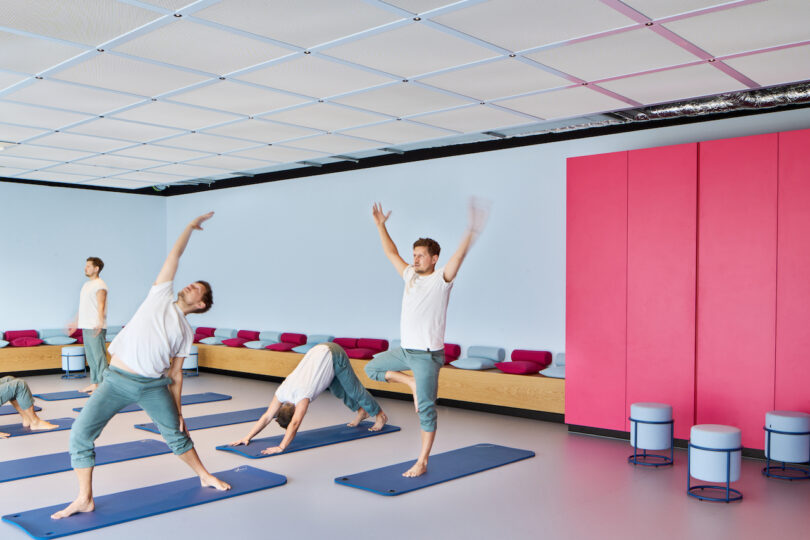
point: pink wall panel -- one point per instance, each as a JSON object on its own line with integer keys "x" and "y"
{"x": 793, "y": 274}
{"x": 661, "y": 268}
{"x": 736, "y": 297}
{"x": 596, "y": 289}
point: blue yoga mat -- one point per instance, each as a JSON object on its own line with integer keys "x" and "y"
{"x": 213, "y": 420}
{"x": 17, "y": 430}
{"x": 59, "y": 396}
{"x": 304, "y": 440}
{"x": 441, "y": 468}
{"x": 53, "y": 463}
{"x": 190, "y": 399}
{"x": 8, "y": 409}
{"x": 143, "y": 502}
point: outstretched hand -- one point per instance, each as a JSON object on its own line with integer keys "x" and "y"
{"x": 479, "y": 212}
{"x": 197, "y": 222}
{"x": 272, "y": 450}
{"x": 379, "y": 216}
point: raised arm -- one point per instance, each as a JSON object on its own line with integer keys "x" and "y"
{"x": 292, "y": 428}
{"x": 173, "y": 259}
{"x": 478, "y": 217}
{"x": 261, "y": 423}
{"x": 389, "y": 248}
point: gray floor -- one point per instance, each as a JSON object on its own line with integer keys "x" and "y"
{"x": 576, "y": 487}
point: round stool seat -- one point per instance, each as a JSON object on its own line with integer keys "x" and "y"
{"x": 707, "y": 460}
{"x": 784, "y": 447}
{"x": 656, "y": 435}
{"x": 190, "y": 362}
{"x": 73, "y": 358}
{"x": 76, "y": 350}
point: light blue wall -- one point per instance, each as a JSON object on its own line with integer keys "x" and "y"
{"x": 48, "y": 232}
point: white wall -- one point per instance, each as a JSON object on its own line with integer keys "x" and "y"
{"x": 303, "y": 255}
{"x": 48, "y": 232}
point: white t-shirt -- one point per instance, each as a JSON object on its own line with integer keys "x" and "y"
{"x": 424, "y": 310}
{"x": 88, "y": 304}
{"x": 312, "y": 375}
{"x": 156, "y": 333}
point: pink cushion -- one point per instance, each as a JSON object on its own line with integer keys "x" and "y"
{"x": 235, "y": 342}
{"x": 11, "y": 335}
{"x": 198, "y": 337}
{"x": 451, "y": 352}
{"x": 295, "y": 339}
{"x": 281, "y": 346}
{"x": 80, "y": 338}
{"x": 538, "y": 357}
{"x": 361, "y": 353}
{"x": 375, "y": 344}
{"x": 26, "y": 342}
{"x": 206, "y": 331}
{"x": 346, "y": 342}
{"x": 77, "y": 333}
{"x": 248, "y": 335}
{"x": 519, "y": 367}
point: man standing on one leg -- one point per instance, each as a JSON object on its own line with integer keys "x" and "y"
{"x": 422, "y": 323}
{"x": 16, "y": 392}
{"x": 92, "y": 320}
{"x": 324, "y": 366}
{"x": 147, "y": 369}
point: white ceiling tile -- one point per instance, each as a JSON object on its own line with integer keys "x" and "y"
{"x": 279, "y": 154}
{"x": 303, "y": 23}
{"x": 151, "y": 178}
{"x": 175, "y": 115}
{"x": 207, "y": 143}
{"x": 231, "y": 162}
{"x": 91, "y": 22}
{"x": 237, "y": 98}
{"x": 474, "y": 118}
{"x": 313, "y": 76}
{"x": 114, "y": 72}
{"x": 118, "y": 183}
{"x": 335, "y": 144}
{"x": 564, "y": 103}
{"x": 657, "y": 9}
{"x": 44, "y": 152}
{"x": 121, "y": 162}
{"x": 420, "y": 6}
{"x": 614, "y": 55}
{"x": 496, "y": 79}
{"x": 33, "y": 55}
{"x": 747, "y": 28}
{"x": 261, "y": 131}
{"x": 523, "y": 24}
{"x": 201, "y": 47}
{"x": 71, "y": 97}
{"x": 11, "y": 133}
{"x": 85, "y": 143}
{"x": 122, "y": 129}
{"x": 9, "y": 79}
{"x": 86, "y": 170}
{"x": 674, "y": 84}
{"x": 410, "y": 50}
{"x": 19, "y": 113}
{"x": 777, "y": 67}
{"x": 402, "y": 99}
{"x": 56, "y": 177}
{"x": 325, "y": 117}
{"x": 191, "y": 171}
{"x": 162, "y": 153}
{"x": 23, "y": 163}
{"x": 172, "y": 5}
{"x": 8, "y": 172}
{"x": 398, "y": 132}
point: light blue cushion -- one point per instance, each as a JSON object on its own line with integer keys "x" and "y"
{"x": 473, "y": 362}
{"x": 554, "y": 372}
{"x": 224, "y": 333}
{"x": 303, "y": 349}
{"x": 3, "y": 343}
{"x": 270, "y": 337}
{"x": 59, "y": 340}
{"x": 496, "y": 354}
{"x": 258, "y": 344}
{"x": 319, "y": 338}
{"x": 211, "y": 341}
{"x": 51, "y": 332}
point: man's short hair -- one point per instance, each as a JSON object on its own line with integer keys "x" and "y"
{"x": 98, "y": 263}
{"x": 285, "y": 414}
{"x": 429, "y": 243}
{"x": 207, "y": 297}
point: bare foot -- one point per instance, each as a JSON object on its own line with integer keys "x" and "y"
{"x": 89, "y": 389}
{"x": 40, "y": 424}
{"x": 4, "y": 435}
{"x": 79, "y": 505}
{"x": 380, "y": 422}
{"x": 418, "y": 469}
{"x": 214, "y": 482}
{"x": 361, "y": 415}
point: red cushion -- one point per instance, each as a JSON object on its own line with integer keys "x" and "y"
{"x": 295, "y": 339}
{"x": 11, "y": 335}
{"x": 235, "y": 342}
{"x": 519, "y": 367}
{"x": 361, "y": 353}
{"x": 281, "y": 346}
{"x": 198, "y": 337}
{"x": 26, "y": 342}
{"x": 375, "y": 344}
{"x": 206, "y": 331}
{"x": 451, "y": 352}
{"x": 538, "y": 357}
{"x": 249, "y": 335}
{"x": 346, "y": 342}
{"x": 79, "y": 338}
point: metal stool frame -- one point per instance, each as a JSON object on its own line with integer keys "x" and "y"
{"x": 691, "y": 490}
{"x": 804, "y": 473}
{"x": 637, "y": 459}
{"x": 68, "y": 374}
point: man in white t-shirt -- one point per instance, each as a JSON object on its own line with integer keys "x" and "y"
{"x": 92, "y": 320}
{"x": 422, "y": 323}
{"x": 323, "y": 366}
{"x": 146, "y": 368}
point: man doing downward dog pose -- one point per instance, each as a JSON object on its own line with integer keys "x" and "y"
{"x": 324, "y": 366}
{"x": 146, "y": 368}
{"x": 16, "y": 392}
{"x": 422, "y": 323}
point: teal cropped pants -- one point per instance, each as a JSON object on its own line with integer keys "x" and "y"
{"x": 347, "y": 386}
{"x": 96, "y": 353}
{"x": 117, "y": 390}
{"x": 15, "y": 389}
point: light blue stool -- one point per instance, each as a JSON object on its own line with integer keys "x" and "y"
{"x": 715, "y": 455}
{"x": 190, "y": 363}
{"x": 651, "y": 428}
{"x": 73, "y": 361}
{"x": 787, "y": 439}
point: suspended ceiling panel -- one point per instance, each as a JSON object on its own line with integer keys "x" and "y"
{"x": 161, "y": 153}
{"x": 11, "y": 133}
{"x": 335, "y": 144}
{"x": 10, "y": 79}
{"x": 260, "y": 130}
{"x": 237, "y": 98}
{"x": 419, "y": 6}
{"x": 175, "y": 115}
{"x": 231, "y": 162}
{"x": 563, "y": 103}
{"x": 71, "y": 97}
{"x": 280, "y": 154}
{"x": 75, "y": 141}
{"x": 207, "y": 143}
{"x": 24, "y": 163}
{"x": 87, "y": 170}
{"x": 326, "y": 117}
{"x": 194, "y": 171}
{"x": 657, "y": 9}
{"x": 47, "y": 176}
{"x": 131, "y": 131}
{"x": 403, "y": 99}
{"x": 118, "y": 183}
{"x": 31, "y": 55}
{"x": 18, "y": 113}
{"x": 475, "y": 118}
{"x": 151, "y": 178}
{"x": 44, "y": 152}
{"x": 121, "y": 162}
{"x": 770, "y": 68}
{"x": 395, "y": 132}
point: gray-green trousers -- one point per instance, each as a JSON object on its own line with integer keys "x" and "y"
{"x": 12, "y": 388}
{"x": 347, "y": 386}
{"x": 96, "y": 353}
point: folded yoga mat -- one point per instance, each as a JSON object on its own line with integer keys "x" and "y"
{"x": 441, "y": 468}
{"x": 304, "y": 440}
{"x": 17, "y": 469}
{"x": 190, "y": 399}
{"x": 8, "y": 409}
{"x": 143, "y": 502}
{"x": 214, "y": 420}
{"x": 59, "y": 396}
{"x": 16, "y": 430}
